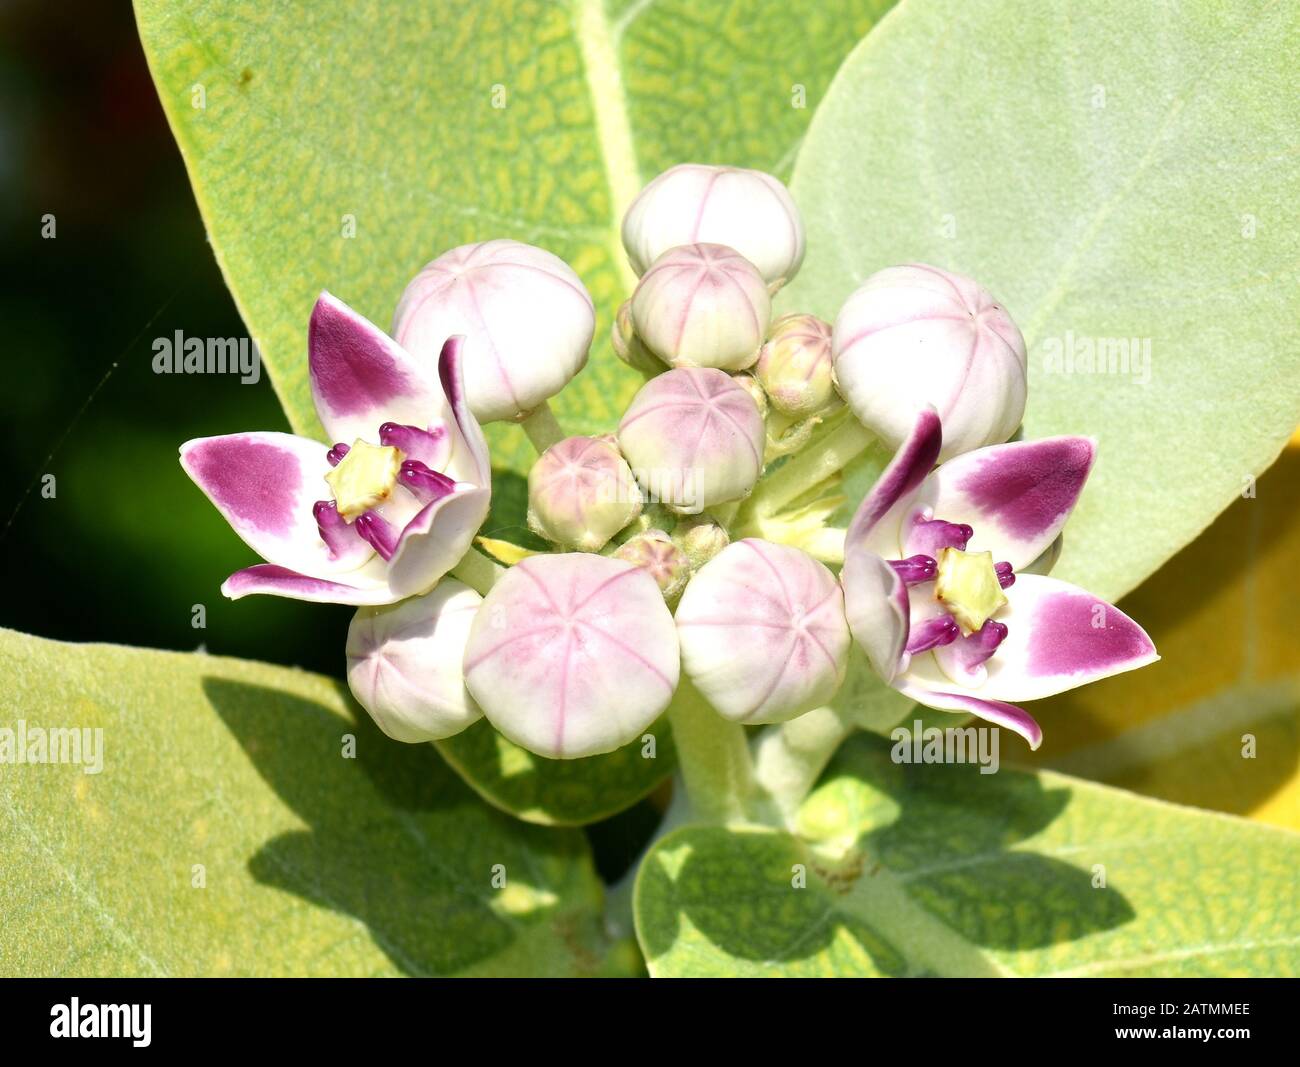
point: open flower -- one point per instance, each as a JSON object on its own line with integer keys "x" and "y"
{"x": 932, "y": 591}
{"x": 386, "y": 511}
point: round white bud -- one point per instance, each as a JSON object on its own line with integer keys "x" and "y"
{"x": 915, "y": 336}
{"x": 572, "y": 654}
{"x": 694, "y": 438}
{"x": 702, "y": 306}
{"x": 747, "y": 210}
{"x": 581, "y": 493}
{"x": 404, "y": 663}
{"x": 763, "y": 632}
{"x": 525, "y": 315}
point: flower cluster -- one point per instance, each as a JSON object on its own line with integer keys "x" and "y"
{"x": 695, "y": 540}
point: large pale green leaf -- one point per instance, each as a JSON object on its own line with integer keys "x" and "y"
{"x": 313, "y": 863}
{"x": 1111, "y": 171}
{"x": 941, "y": 870}
{"x": 384, "y": 112}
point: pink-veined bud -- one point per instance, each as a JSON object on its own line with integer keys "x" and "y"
{"x": 694, "y": 438}
{"x": 628, "y": 346}
{"x": 794, "y": 366}
{"x": 763, "y": 632}
{"x": 656, "y": 554}
{"x": 404, "y": 663}
{"x": 581, "y": 493}
{"x": 756, "y": 391}
{"x": 525, "y": 315}
{"x": 572, "y": 654}
{"x": 702, "y": 305}
{"x": 916, "y": 336}
{"x": 747, "y": 210}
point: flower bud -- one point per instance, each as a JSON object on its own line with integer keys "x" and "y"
{"x": 694, "y": 439}
{"x": 757, "y": 393}
{"x": 628, "y": 346}
{"x": 916, "y": 336}
{"x": 572, "y": 654}
{"x": 702, "y": 305}
{"x": 763, "y": 632}
{"x": 404, "y": 663}
{"x": 701, "y": 538}
{"x": 656, "y": 554}
{"x": 794, "y": 365}
{"x": 525, "y": 315}
{"x": 747, "y": 210}
{"x": 581, "y": 493}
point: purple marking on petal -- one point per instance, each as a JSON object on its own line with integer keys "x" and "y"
{"x": 431, "y": 447}
{"x": 914, "y": 459}
{"x": 994, "y": 711}
{"x": 932, "y": 536}
{"x": 255, "y": 481}
{"x": 426, "y": 484}
{"x": 916, "y": 569}
{"x": 377, "y": 533}
{"x": 335, "y": 455}
{"x": 1076, "y": 633}
{"x": 1006, "y": 574}
{"x": 274, "y": 580}
{"x": 1030, "y": 485}
{"x": 451, "y": 373}
{"x": 351, "y": 360}
{"x": 340, "y": 538}
{"x": 941, "y": 630}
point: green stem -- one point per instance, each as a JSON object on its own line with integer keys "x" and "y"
{"x": 477, "y": 571}
{"x": 799, "y": 473}
{"x": 714, "y": 759}
{"x": 542, "y": 428}
{"x": 789, "y": 757}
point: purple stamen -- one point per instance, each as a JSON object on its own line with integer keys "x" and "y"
{"x": 932, "y": 536}
{"x": 427, "y": 446}
{"x": 981, "y": 645}
{"x": 377, "y": 533}
{"x": 915, "y": 569}
{"x": 338, "y": 536}
{"x": 932, "y": 633}
{"x": 1006, "y": 576}
{"x": 428, "y": 485}
{"x": 335, "y": 455}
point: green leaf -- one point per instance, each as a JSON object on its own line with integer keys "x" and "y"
{"x": 1110, "y": 171}
{"x": 940, "y": 870}
{"x": 558, "y": 792}
{"x": 313, "y": 863}
{"x": 384, "y": 112}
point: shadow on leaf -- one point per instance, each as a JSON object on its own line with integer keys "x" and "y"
{"x": 940, "y": 866}
{"x": 395, "y": 840}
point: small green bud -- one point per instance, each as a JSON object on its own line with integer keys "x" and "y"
{"x": 701, "y": 538}
{"x": 629, "y": 347}
{"x": 655, "y": 553}
{"x": 794, "y": 366}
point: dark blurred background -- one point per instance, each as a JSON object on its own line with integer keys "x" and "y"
{"x": 127, "y": 546}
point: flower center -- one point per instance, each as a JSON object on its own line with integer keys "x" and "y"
{"x": 364, "y": 478}
{"x": 968, "y": 585}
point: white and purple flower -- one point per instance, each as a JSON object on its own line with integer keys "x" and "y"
{"x": 385, "y": 512}
{"x": 935, "y": 588}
